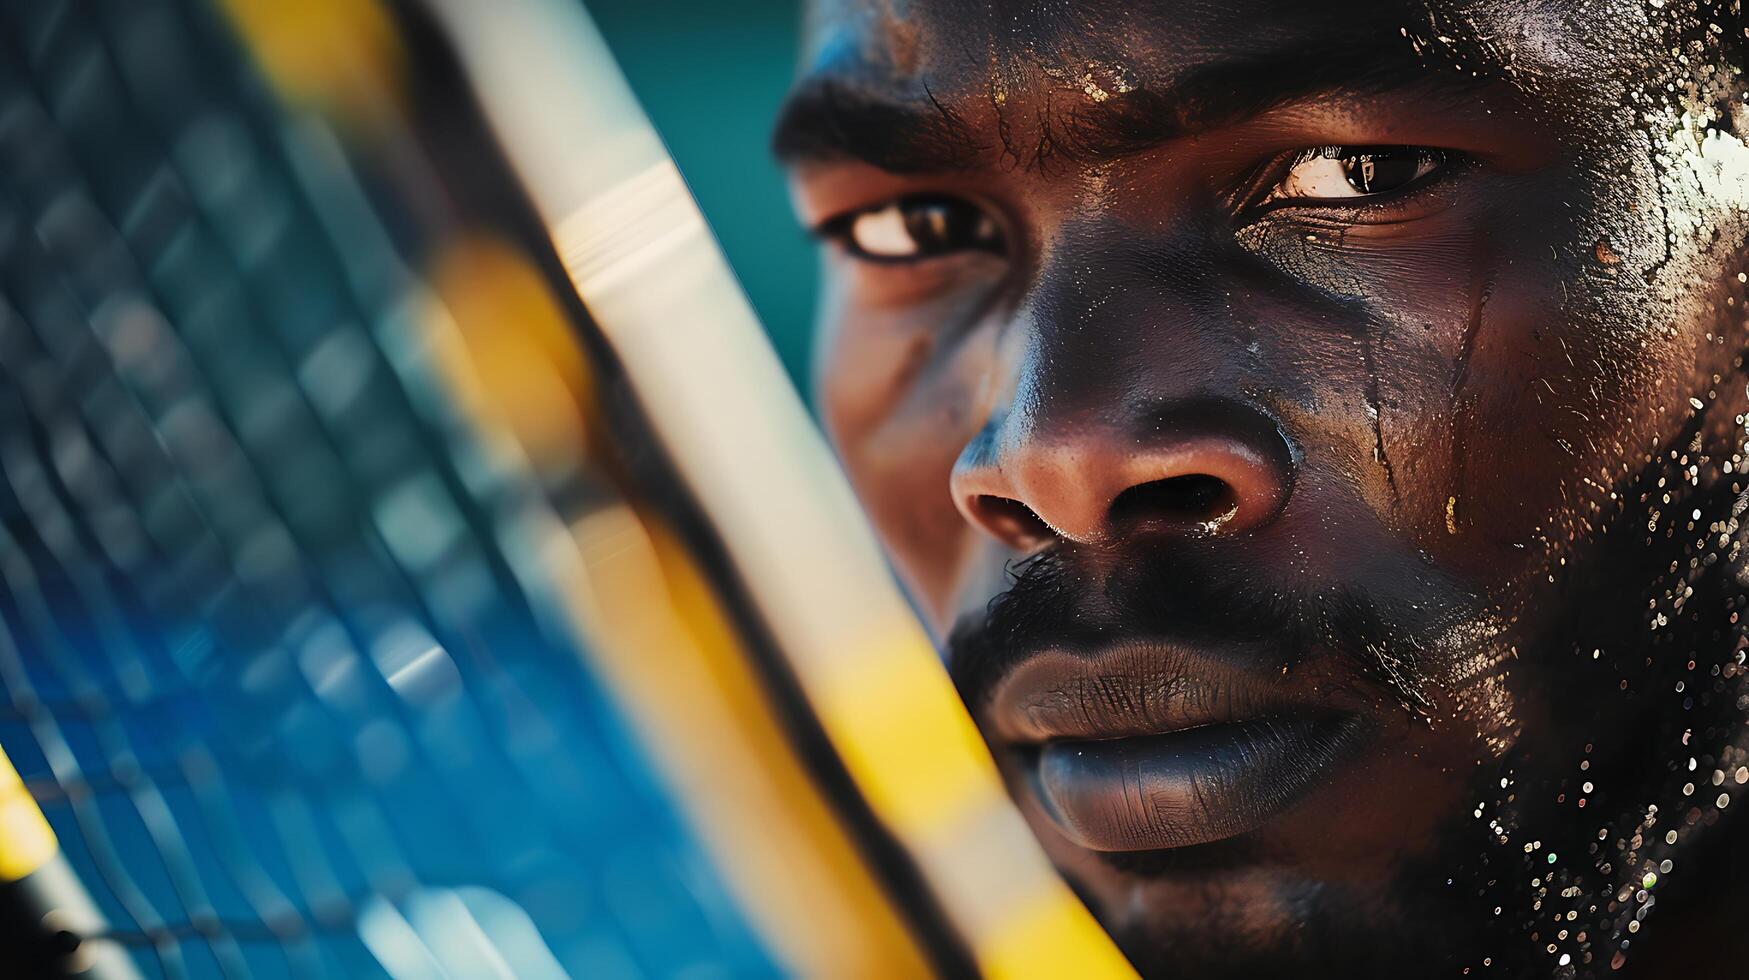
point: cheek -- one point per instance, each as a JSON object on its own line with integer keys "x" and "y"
{"x": 1537, "y": 382}
{"x": 1429, "y": 309}
{"x": 1513, "y": 370}
{"x": 1574, "y": 391}
{"x": 900, "y": 401}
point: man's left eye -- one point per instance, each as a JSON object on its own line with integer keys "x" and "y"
{"x": 1334, "y": 173}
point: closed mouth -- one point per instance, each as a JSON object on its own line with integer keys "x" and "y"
{"x": 1156, "y": 747}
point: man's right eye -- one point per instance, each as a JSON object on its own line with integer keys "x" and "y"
{"x": 916, "y": 229}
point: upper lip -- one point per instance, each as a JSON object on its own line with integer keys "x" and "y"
{"x": 1127, "y": 690}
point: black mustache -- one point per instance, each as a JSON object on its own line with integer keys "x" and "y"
{"x": 1080, "y": 597}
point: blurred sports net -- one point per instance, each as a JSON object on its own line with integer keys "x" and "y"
{"x": 271, "y": 661}
{"x": 351, "y": 621}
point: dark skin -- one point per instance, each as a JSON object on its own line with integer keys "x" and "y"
{"x": 1315, "y": 432}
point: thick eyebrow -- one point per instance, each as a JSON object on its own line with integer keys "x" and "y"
{"x": 830, "y": 117}
{"x": 827, "y": 117}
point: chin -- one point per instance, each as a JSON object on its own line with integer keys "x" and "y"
{"x": 1265, "y": 904}
{"x": 1264, "y": 922}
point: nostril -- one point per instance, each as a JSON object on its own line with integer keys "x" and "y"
{"x": 1194, "y": 500}
{"x": 1012, "y": 521}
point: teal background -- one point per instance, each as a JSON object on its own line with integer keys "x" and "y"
{"x": 711, "y": 75}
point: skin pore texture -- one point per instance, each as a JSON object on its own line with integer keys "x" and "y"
{"x": 1315, "y": 433}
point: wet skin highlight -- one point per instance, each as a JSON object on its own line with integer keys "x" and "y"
{"x": 1315, "y": 433}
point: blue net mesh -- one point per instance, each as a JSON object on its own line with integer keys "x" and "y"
{"x": 268, "y": 660}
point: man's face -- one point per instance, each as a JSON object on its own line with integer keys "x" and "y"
{"x": 1315, "y": 431}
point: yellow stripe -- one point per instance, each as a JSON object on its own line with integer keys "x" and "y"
{"x": 341, "y": 56}
{"x": 919, "y": 759}
{"x": 26, "y": 841}
{"x": 1056, "y": 937}
{"x": 922, "y": 766}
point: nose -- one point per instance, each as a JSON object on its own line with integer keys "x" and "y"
{"x": 1205, "y": 467}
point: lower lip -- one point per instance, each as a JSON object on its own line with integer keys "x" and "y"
{"x": 1189, "y": 787}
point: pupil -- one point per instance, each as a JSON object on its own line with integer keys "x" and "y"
{"x": 931, "y": 226}
{"x": 1381, "y": 170}
{"x": 939, "y": 227}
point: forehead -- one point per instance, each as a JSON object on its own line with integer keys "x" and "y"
{"x": 902, "y": 29}
{"x": 976, "y": 45}
{"x": 930, "y": 85}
